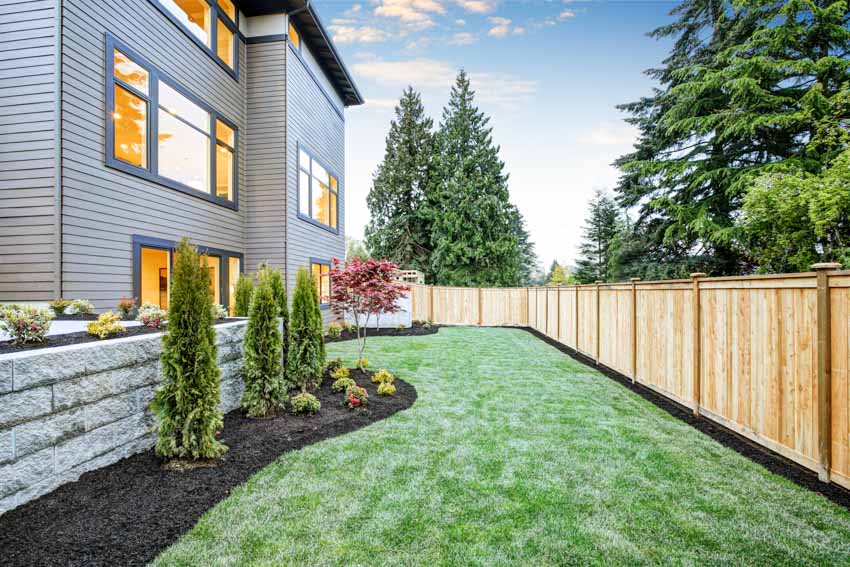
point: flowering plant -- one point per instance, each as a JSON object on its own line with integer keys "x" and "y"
{"x": 26, "y": 325}
{"x": 356, "y": 397}
{"x": 150, "y": 315}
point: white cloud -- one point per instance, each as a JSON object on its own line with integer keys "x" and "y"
{"x": 478, "y": 6}
{"x": 415, "y": 14}
{"x": 566, "y": 15}
{"x": 611, "y": 134}
{"x": 420, "y": 43}
{"x": 462, "y": 38}
{"x": 345, "y": 31}
{"x": 460, "y": 22}
{"x": 501, "y": 26}
{"x": 519, "y": 30}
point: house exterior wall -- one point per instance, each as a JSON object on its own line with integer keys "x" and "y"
{"x": 317, "y": 123}
{"x": 28, "y": 162}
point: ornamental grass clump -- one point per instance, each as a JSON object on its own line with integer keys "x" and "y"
{"x": 187, "y": 404}
{"x": 107, "y": 325}
{"x": 59, "y": 305}
{"x": 26, "y": 325}
{"x": 242, "y": 295}
{"x": 306, "y": 357}
{"x": 265, "y": 390}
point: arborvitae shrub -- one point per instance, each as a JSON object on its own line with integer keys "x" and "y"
{"x": 265, "y": 390}
{"x": 243, "y": 293}
{"x": 278, "y": 287}
{"x": 306, "y": 356}
{"x": 187, "y": 404}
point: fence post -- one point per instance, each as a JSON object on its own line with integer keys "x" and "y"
{"x": 597, "y": 321}
{"x": 634, "y": 328}
{"x": 575, "y": 310}
{"x": 696, "y": 332}
{"x": 558, "y": 312}
{"x": 824, "y": 369}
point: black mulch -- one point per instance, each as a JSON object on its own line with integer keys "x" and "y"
{"x": 772, "y": 461}
{"x": 412, "y": 331}
{"x": 128, "y": 512}
{"x": 83, "y": 337}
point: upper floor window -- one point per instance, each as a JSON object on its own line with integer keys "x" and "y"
{"x": 294, "y": 37}
{"x": 210, "y": 23}
{"x": 318, "y": 191}
{"x": 158, "y": 130}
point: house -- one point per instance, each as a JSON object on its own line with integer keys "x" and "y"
{"x": 128, "y": 124}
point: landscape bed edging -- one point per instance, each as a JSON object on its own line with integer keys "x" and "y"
{"x": 71, "y": 409}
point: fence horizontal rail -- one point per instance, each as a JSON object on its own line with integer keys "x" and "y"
{"x": 767, "y": 356}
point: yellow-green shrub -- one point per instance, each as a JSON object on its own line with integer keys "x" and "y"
{"x": 382, "y": 376}
{"x": 107, "y": 325}
{"x": 343, "y": 384}
{"x": 341, "y": 372}
{"x": 386, "y": 389}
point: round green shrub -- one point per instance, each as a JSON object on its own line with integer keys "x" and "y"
{"x": 386, "y": 389}
{"x": 343, "y": 384}
{"x": 305, "y": 403}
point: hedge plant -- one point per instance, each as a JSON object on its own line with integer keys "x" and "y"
{"x": 278, "y": 287}
{"x": 306, "y": 356}
{"x": 265, "y": 390}
{"x": 243, "y": 293}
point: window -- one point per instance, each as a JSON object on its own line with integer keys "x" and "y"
{"x": 322, "y": 280}
{"x": 318, "y": 192}
{"x": 209, "y": 23}
{"x": 154, "y": 267}
{"x": 194, "y": 146}
{"x": 294, "y": 37}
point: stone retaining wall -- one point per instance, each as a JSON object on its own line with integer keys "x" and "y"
{"x": 68, "y": 410}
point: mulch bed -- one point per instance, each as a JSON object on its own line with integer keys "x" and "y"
{"x": 83, "y": 337}
{"x": 772, "y": 461}
{"x": 416, "y": 330}
{"x": 128, "y": 512}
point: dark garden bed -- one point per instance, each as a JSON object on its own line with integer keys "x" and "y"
{"x": 128, "y": 512}
{"x": 83, "y": 337}
{"x": 772, "y": 461}
{"x": 415, "y": 330}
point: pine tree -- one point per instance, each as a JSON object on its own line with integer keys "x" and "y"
{"x": 398, "y": 230}
{"x": 306, "y": 347}
{"x": 265, "y": 389}
{"x": 601, "y": 228}
{"x": 557, "y": 275}
{"x": 242, "y": 295}
{"x": 187, "y": 404}
{"x": 476, "y": 231}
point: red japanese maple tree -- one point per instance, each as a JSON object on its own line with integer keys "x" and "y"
{"x": 366, "y": 289}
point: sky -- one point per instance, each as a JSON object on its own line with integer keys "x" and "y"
{"x": 548, "y": 73}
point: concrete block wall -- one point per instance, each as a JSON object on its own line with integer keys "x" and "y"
{"x": 68, "y": 410}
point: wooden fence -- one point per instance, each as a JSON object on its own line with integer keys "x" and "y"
{"x": 765, "y": 356}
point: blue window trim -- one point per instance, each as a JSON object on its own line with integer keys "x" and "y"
{"x": 312, "y": 260}
{"x": 150, "y": 172}
{"x": 299, "y": 147}
{"x": 215, "y": 16}
{"x": 140, "y": 242}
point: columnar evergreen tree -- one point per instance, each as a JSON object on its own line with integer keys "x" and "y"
{"x": 600, "y": 229}
{"x": 275, "y": 280}
{"x": 187, "y": 404}
{"x": 242, "y": 295}
{"x": 265, "y": 389}
{"x": 398, "y": 229}
{"x": 306, "y": 347}
{"x": 475, "y": 230}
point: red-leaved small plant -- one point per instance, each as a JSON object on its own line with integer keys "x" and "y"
{"x": 356, "y": 397}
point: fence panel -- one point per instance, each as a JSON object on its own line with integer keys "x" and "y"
{"x": 587, "y": 320}
{"x": 615, "y": 327}
{"x": 840, "y": 318}
{"x": 567, "y": 321}
{"x": 552, "y": 312}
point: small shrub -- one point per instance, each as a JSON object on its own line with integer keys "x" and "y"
{"x": 333, "y": 365}
{"x": 305, "y": 403}
{"x": 341, "y": 372}
{"x": 426, "y": 325}
{"x": 382, "y": 376}
{"x": 400, "y": 327}
{"x": 218, "y": 311}
{"x": 242, "y": 295}
{"x": 363, "y": 363}
{"x": 386, "y": 389}
{"x": 334, "y": 330}
{"x": 82, "y": 307}
{"x": 150, "y": 315}
{"x": 356, "y": 397}
{"x": 126, "y": 306}
{"x": 343, "y": 384}
{"x": 26, "y": 325}
{"x": 59, "y": 305}
{"x": 106, "y": 326}
{"x": 351, "y": 328}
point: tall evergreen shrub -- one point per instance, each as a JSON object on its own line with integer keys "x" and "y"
{"x": 275, "y": 280}
{"x": 264, "y": 387}
{"x": 306, "y": 355}
{"x": 243, "y": 293}
{"x": 187, "y": 404}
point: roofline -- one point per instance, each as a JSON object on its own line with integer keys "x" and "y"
{"x": 359, "y": 97}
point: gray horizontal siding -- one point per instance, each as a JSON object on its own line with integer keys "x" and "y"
{"x": 103, "y": 208}
{"x": 313, "y": 121}
{"x": 27, "y": 152}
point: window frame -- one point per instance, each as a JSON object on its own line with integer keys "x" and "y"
{"x": 299, "y": 147}
{"x": 151, "y": 172}
{"x": 327, "y": 263}
{"x": 170, "y": 246}
{"x": 215, "y": 14}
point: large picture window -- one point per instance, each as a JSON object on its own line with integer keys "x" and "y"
{"x": 318, "y": 192}
{"x": 158, "y": 130}
{"x": 209, "y": 23}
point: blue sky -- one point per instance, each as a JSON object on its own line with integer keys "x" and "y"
{"x": 548, "y": 73}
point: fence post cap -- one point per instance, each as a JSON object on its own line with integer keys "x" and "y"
{"x": 826, "y": 266}
{"x": 634, "y": 279}
{"x": 698, "y": 275}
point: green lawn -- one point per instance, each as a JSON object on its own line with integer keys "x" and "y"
{"x": 514, "y": 454}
